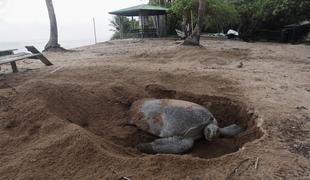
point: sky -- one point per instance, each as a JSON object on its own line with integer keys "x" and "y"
{"x": 27, "y": 20}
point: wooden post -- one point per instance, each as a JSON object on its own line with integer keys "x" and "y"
{"x": 121, "y": 27}
{"x": 95, "y": 32}
{"x": 166, "y": 24}
{"x": 142, "y": 26}
{"x": 192, "y": 21}
{"x": 158, "y": 28}
{"x": 14, "y": 67}
{"x": 294, "y": 35}
{"x": 132, "y": 24}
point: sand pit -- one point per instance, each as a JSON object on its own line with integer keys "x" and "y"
{"x": 106, "y": 114}
{"x": 70, "y": 121}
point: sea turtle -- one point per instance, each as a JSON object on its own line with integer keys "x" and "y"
{"x": 177, "y": 123}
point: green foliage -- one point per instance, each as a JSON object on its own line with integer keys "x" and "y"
{"x": 247, "y": 16}
{"x": 174, "y": 16}
{"x": 165, "y": 3}
{"x": 122, "y": 24}
{"x": 270, "y": 14}
{"x": 221, "y": 16}
{"x": 117, "y": 35}
{"x": 179, "y": 7}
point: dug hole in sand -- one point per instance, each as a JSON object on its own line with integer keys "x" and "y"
{"x": 74, "y": 124}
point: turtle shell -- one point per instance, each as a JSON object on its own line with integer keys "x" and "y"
{"x": 169, "y": 117}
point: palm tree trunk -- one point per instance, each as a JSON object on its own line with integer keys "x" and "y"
{"x": 53, "y": 41}
{"x": 194, "y": 38}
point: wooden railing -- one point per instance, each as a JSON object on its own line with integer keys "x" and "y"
{"x": 151, "y": 33}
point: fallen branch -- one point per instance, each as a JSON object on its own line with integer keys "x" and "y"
{"x": 230, "y": 175}
{"x": 126, "y": 178}
{"x": 256, "y": 163}
{"x": 59, "y": 68}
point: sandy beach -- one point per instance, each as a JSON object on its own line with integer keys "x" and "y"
{"x": 68, "y": 121}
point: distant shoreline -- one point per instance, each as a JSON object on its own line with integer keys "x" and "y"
{"x": 68, "y": 44}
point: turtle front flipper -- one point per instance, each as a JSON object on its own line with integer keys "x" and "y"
{"x": 170, "y": 145}
{"x": 230, "y": 131}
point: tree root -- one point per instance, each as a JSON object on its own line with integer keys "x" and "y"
{"x": 190, "y": 42}
{"x": 55, "y": 49}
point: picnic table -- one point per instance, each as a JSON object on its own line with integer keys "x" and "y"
{"x": 7, "y": 52}
{"x": 8, "y": 56}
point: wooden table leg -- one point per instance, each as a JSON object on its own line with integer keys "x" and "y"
{"x": 14, "y": 67}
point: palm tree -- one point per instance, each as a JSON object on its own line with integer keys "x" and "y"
{"x": 52, "y": 44}
{"x": 194, "y": 38}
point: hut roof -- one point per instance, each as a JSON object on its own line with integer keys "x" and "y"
{"x": 143, "y": 9}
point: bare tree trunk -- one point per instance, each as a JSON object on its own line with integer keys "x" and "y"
{"x": 194, "y": 38}
{"x": 52, "y": 44}
{"x": 184, "y": 24}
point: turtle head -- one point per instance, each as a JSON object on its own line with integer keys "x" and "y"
{"x": 211, "y": 132}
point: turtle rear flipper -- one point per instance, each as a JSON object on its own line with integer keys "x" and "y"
{"x": 230, "y": 131}
{"x": 170, "y": 145}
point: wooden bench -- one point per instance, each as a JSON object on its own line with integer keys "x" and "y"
{"x": 7, "y": 52}
{"x": 8, "y": 56}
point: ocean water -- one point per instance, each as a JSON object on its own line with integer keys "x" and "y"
{"x": 39, "y": 44}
